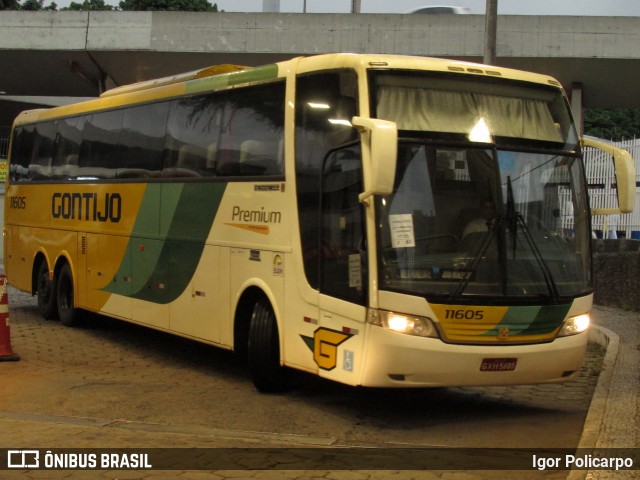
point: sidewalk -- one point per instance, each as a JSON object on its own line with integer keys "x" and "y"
{"x": 614, "y": 415}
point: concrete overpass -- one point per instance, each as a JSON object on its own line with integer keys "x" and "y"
{"x": 79, "y": 53}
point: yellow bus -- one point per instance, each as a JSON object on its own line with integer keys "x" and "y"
{"x": 376, "y": 220}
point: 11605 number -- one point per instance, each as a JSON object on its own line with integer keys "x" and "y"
{"x": 463, "y": 314}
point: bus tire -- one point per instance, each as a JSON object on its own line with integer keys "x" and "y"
{"x": 67, "y": 312}
{"x": 264, "y": 351}
{"x": 46, "y": 291}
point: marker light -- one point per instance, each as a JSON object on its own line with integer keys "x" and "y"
{"x": 398, "y": 322}
{"x": 575, "y": 325}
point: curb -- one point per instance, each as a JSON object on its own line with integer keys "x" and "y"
{"x": 593, "y": 423}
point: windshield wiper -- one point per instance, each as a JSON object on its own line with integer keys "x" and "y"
{"x": 515, "y": 220}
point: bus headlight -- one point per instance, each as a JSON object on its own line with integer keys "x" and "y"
{"x": 575, "y": 325}
{"x": 401, "y": 323}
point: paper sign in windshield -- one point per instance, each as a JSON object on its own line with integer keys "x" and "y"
{"x": 402, "y": 235}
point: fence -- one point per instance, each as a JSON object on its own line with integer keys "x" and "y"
{"x": 601, "y": 183}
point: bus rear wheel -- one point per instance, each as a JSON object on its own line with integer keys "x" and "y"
{"x": 64, "y": 295}
{"x": 264, "y": 351}
{"x": 46, "y": 291}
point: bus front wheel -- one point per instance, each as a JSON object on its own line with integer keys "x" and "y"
{"x": 264, "y": 351}
{"x": 64, "y": 295}
{"x": 46, "y": 291}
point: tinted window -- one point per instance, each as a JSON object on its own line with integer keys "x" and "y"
{"x": 192, "y": 137}
{"x": 142, "y": 141}
{"x": 251, "y": 137}
{"x": 22, "y": 150}
{"x": 67, "y": 154}
{"x": 231, "y": 133}
{"x": 33, "y": 152}
{"x": 99, "y": 150}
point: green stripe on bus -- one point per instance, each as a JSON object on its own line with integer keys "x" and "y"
{"x": 218, "y": 82}
{"x": 533, "y": 320}
{"x": 258, "y": 74}
{"x": 161, "y": 266}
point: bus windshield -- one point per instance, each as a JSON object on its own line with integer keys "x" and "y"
{"x": 489, "y": 199}
{"x": 489, "y": 222}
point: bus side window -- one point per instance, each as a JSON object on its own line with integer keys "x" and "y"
{"x": 21, "y": 153}
{"x": 99, "y": 149}
{"x": 42, "y": 154}
{"x": 66, "y": 157}
{"x": 191, "y": 143}
{"x": 259, "y": 157}
{"x": 253, "y": 128}
{"x": 142, "y": 141}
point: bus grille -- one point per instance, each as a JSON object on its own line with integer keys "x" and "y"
{"x": 500, "y": 324}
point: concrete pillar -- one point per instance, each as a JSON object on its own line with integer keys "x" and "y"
{"x": 577, "y": 107}
{"x": 490, "y": 32}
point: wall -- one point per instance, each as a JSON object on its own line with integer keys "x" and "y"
{"x": 616, "y": 269}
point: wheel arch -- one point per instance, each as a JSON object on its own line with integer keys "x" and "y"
{"x": 63, "y": 259}
{"x": 252, "y": 292}
{"x": 41, "y": 256}
{"x": 38, "y": 258}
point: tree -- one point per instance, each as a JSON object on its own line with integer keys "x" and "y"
{"x": 29, "y": 5}
{"x": 9, "y": 5}
{"x": 612, "y": 123}
{"x": 89, "y": 5}
{"x": 169, "y": 5}
{"x": 32, "y": 5}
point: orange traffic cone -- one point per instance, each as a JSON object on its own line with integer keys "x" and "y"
{"x": 6, "y": 354}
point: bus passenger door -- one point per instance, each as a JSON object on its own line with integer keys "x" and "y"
{"x": 343, "y": 268}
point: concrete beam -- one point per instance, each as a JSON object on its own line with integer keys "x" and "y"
{"x": 45, "y": 51}
{"x": 441, "y": 35}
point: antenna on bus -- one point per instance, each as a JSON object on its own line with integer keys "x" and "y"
{"x": 182, "y": 77}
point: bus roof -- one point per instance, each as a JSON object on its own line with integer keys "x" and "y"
{"x": 220, "y": 77}
{"x": 172, "y": 79}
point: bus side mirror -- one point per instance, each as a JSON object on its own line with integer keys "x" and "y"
{"x": 625, "y": 177}
{"x": 379, "y": 155}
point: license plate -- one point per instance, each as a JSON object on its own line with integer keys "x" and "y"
{"x": 498, "y": 364}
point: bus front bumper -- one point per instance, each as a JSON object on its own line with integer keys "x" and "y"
{"x": 398, "y": 360}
